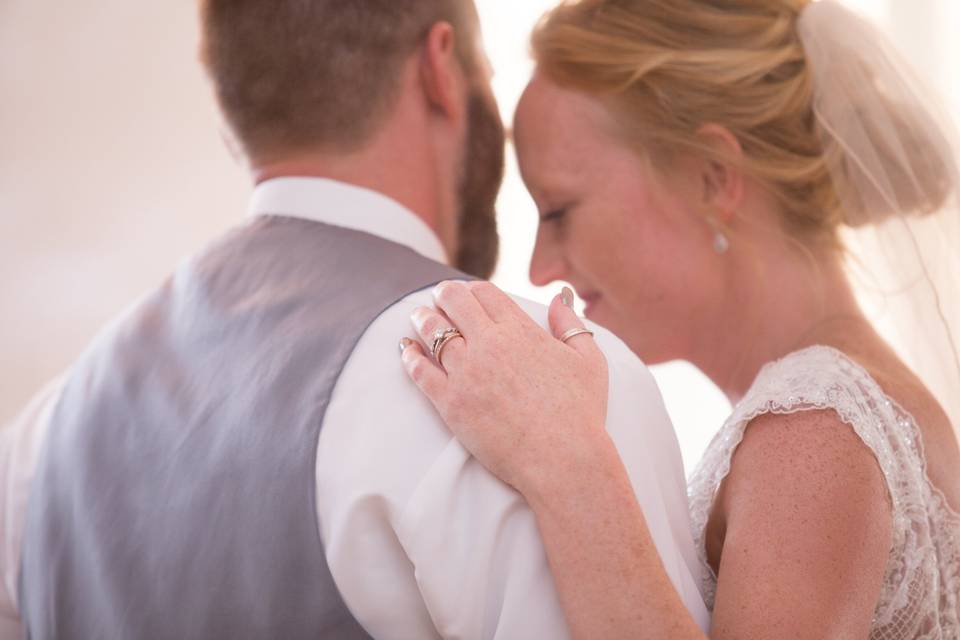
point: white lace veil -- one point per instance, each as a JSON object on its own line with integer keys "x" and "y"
{"x": 891, "y": 152}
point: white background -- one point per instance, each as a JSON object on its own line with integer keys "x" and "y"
{"x": 112, "y": 169}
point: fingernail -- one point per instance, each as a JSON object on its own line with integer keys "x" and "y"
{"x": 404, "y": 343}
{"x": 566, "y": 296}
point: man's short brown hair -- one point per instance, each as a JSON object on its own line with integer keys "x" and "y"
{"x": 301, "y": 74}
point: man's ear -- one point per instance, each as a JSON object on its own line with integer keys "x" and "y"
{"x": 441, "y": 75}
{"x": 722, "y": 180}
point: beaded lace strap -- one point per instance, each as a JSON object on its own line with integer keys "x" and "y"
{"x": 813, "y": 379}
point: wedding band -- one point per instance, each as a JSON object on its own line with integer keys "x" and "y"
{"x": 573, "y": 333}
{"x": 441, "y": 338}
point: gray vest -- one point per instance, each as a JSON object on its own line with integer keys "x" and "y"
{"x": 175, "y": 497}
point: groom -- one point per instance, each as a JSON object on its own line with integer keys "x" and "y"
{"x": 242, "y": 455}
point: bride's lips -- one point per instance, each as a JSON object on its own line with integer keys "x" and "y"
{"x": 590, "y": 299}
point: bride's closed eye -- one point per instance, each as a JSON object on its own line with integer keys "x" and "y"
{"x": 556, "y": 214}
{"x": 553, "y": 215}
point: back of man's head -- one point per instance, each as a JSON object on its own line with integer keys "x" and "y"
{"x": 297, "y": 75}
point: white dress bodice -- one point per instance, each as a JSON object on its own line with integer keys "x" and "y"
{"x": 921, "y": 586}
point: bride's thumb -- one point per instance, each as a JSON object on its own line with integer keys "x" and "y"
{"x": 567, "y": 326}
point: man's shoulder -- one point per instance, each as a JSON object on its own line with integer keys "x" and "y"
{"x": 616, "y": 351}
{"x": 374, "y": 391}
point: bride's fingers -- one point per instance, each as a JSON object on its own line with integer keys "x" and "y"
{"x": 498, "y": 305}
{"x": 455, "y": 300}
{"x": 424, "y": 372}
{"x": 564, "y": 320}
{"x": 428, "y": 322}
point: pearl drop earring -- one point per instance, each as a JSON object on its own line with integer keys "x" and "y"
{"x": 721, "y": 243}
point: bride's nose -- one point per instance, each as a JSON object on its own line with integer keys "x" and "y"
{"x": 547, "y": 264}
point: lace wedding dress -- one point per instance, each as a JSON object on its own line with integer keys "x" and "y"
{"x": 922, "y": 582}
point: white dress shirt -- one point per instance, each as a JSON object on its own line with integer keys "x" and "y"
{"x": 421, "y": 541}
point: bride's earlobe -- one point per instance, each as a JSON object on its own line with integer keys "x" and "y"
{"x": 721, "y": 241}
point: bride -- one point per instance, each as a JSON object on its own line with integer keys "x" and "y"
{"x": 720, "y": 180}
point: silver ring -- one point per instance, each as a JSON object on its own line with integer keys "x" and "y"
{"x": 578, "y": 331}
{"x": 441, "y": 338}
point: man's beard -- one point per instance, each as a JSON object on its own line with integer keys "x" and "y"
{"x": 478, "y": 242}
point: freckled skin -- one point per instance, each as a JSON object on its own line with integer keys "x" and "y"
{"x": 800, "y": 533}
{"x": 624, "y": 237}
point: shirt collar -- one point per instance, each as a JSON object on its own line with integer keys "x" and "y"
{"x": 346, "y": 205}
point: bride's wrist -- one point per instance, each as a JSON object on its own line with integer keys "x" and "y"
{"x": 572, "y": 474}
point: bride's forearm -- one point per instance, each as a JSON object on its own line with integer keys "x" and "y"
{"x": 611, "y": 580}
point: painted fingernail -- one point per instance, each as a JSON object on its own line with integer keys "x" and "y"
{"x": 404, "y": 343}
{"x": 566, "y": 297}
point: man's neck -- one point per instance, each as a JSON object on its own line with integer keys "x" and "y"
{"x": 372, "y": 179}
{"x": 390, "y": 174}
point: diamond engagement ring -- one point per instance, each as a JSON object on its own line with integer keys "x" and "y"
{"x": 577, "y": 331}
{"x": 441, "y": 338}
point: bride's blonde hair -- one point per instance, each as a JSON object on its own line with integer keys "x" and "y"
{"x": 665, "y": 68}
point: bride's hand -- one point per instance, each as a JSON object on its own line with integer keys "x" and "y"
{"x": 527, "y": 405}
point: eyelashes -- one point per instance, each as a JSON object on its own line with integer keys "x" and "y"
{"x": 553, "y": 215}
{"x": 558, "y": 214}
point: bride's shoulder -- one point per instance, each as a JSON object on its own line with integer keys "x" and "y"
{"x": 804, "y": 453}
{"x": 809, "y": 408}
{"x": 804, "y": 491}
{"x": 812, "y": 414}
{"x": 805, "y": 441}
{"x": 810, "y": 419}
{"x": 814, "y": 379}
